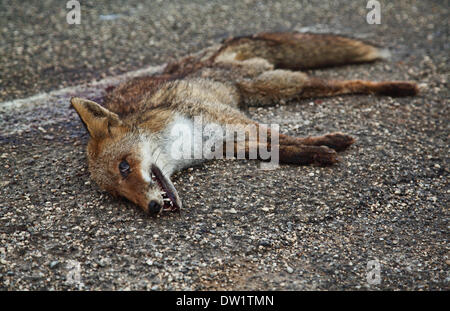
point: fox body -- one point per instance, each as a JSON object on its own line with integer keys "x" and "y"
{"x": 130, "y": 150}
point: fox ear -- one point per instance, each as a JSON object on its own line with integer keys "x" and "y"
{"x": 97, "y": 119}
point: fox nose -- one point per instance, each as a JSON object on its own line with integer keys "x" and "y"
{"x": 154, "y": 208}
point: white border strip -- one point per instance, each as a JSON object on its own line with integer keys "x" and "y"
{"x": 42, "y": 99}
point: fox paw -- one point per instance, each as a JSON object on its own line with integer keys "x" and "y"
{"x": 338, "y": 141}
{"x": 323, "y": 155}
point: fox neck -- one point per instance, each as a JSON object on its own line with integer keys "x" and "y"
{"x": 158, "y": 147}
{"x": 154, "y": 153}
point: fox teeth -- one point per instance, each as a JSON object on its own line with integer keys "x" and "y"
{"x": 167, "y": 200}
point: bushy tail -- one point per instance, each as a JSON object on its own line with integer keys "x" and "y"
{"x": 298, "y": 51}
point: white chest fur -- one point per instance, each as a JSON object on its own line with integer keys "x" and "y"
{"x": 185, "y": 142}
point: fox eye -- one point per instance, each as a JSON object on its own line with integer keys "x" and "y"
{"x": 124, "y": 168}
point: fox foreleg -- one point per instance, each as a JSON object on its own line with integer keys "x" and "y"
{"x": 319, "y": 150}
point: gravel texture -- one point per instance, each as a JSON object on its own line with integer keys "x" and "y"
{"x": 294, "y": 228}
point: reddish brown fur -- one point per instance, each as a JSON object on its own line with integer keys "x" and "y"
{"x": 301, "y": 50}
{"x": 125, "y": 99}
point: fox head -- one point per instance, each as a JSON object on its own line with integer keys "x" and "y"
{"x": 125, "y": 160}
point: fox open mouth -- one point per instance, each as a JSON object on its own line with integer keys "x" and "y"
{"x": 168, "y": 192}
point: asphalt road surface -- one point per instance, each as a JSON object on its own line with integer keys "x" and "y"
{"x": 381, "y": 211}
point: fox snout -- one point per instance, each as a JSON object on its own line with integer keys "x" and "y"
{"x": 154, "y": 207}
{"x": 154, "y": 195}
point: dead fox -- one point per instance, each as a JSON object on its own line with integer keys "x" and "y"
{"x": 130, "y": 133}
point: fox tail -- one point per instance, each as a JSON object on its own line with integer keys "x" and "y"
{"x": 297, "y": 51}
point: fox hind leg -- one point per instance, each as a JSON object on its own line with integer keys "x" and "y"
{"x": 288, "y": 51}
{"x": 272, "y": 86}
